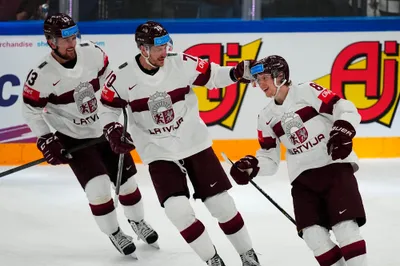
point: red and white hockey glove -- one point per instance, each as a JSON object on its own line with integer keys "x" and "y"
{"x": 340, "y": 143}
{"x": 241, "y": 71}
{"x": 52, "y": 149}
{"x": 245, "y": 169}
{"x": 113, "y": 133}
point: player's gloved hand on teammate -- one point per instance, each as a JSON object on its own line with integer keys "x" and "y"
{"x": 113, "y": 133}
{"x": 242, "y": 71}
{"x": 245, "y": 169}
{"x": 52, "y": 149}
{"x": 340, "y": 143}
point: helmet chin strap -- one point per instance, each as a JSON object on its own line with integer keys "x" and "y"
{"x": 146, "y": 58}
{"x": 278, "y": 86}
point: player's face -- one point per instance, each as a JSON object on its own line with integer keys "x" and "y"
{"x": 158, "y": 55}
{"x": 266, "y": 83}
{"x": 66, "y": 47}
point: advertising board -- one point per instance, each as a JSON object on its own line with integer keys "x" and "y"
{"x": 361, "y": 66}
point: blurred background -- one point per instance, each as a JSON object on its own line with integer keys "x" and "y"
{"x": 87, "y": 10}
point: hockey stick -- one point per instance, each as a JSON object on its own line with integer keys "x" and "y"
{"x": 121, "y": 156}
{"x": 226, "y": 159}
{"x": 42, "y": 160}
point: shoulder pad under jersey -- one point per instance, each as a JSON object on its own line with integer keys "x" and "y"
{"x": 123, "y": 65}
{"x": 42, "y": 65}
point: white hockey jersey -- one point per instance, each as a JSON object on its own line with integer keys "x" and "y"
{"x": 163, "y": 111}
{"x": 302, "y": 123}
{"x": 66, "y": 99}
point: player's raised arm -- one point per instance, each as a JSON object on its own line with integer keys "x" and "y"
{"x": 114, "y": 97}
{"x": 211, "y": 75}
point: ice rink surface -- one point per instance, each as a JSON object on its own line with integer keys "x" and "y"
{"x": 45, "y": 221}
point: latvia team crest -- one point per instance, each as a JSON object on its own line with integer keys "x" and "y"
{"x": 294, "y": 128}
{"x": 161, "y": 108}
{"x": 85, "y": 98}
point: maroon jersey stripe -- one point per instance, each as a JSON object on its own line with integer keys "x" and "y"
{"x": 266, "y": 142}
{"x": 139, "y": 105}
{"x": 116, "y": 102}
{"x": 305, "y": 114}
{"x": 202, "y": 79}
{"x": 68, "y": 97}
{"x": 176, "y": 95}
{"x": 327, "y": 108}
{"x": 39, "y": 103}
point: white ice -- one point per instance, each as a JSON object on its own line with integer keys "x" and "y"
{"x": 45, "y": 221}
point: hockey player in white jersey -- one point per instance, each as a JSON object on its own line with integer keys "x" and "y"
{"x": 316, "y": 127}
{"x": 62, "y": 92}
{"x": 169, "y": 135}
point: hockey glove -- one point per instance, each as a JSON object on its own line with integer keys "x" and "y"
{"x": 52, "y": 149}
{"x": 113, "y": 133}
{"x": 241, "y": 71}
{"x": 340, "y": 143}
{"x": 245, "y": 169}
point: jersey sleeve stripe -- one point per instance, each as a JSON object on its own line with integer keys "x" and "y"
{"x": 267, "y": 142}
{"x": 39, "y": 103}
{"x": 327, "y": 108}
{"x": 32, "y": 97}
{"x": 305, "y": 114}
{"x": 203, "y": 78}
{"x": 115, "y": 103}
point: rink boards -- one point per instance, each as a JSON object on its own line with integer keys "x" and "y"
{"x": 356, "y": 58}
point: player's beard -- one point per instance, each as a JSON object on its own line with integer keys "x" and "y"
{"x": 69, "y": 55}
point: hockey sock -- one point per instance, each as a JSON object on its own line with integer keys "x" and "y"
{"x": 352, "y": 244}
{"x": 105, "y": 216}
{"x": 131, "y": 200}
{"x": 133, "y": 205}
{"x": 197, "y": 237}
{"x": 223, "y": 208}
{"x": 355, "y": 253}
{"x": 237, "y": 233}
{"x": 325, "y": 251}
{"x": 332, "y": 257}
{"x": 99, "y": 195}
{"x": 181, "y": 214}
